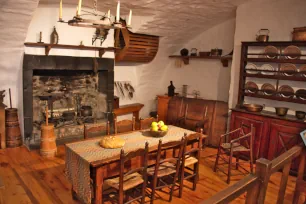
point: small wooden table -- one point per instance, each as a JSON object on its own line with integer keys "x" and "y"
{"x": 133, "y": 108}
{"x": 104, "y": 163}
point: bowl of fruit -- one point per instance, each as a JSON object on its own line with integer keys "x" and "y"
{"x": 158, "y": 129}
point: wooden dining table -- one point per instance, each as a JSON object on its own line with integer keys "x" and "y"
{"x": 88, "y": 164}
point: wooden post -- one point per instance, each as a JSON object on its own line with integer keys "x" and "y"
{"x": 257, "y": 194}
{"x": 2, "y": 121}
{"x": 299, "y": 176}
{"x": 283, "y": 183}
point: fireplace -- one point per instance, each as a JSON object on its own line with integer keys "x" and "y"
{"x": 76, "y": 91}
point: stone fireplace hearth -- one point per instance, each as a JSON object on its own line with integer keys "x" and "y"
{"x": 76, "y": 90}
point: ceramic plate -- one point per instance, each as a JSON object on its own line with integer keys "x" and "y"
{"x": 286, "y": 91}
{"x": 251, "y": 87}
{"x": 271, "y": 52}
{"x": 267, "y": 67}
{"x": 292, "y": 52}
{"x": 251, "y": 68}
{"x": 288, "y": 69}
{"x": 268, "y": 89}
{"x": 302, "y": 70}
{"x": 301, "y": 94}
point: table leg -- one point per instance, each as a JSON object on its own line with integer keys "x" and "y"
{"x": 99, "y": 178}
{"x": 136, "y": 115}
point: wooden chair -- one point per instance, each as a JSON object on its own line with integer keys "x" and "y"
{"x": 124, "y": 125}
{"x": 131, "y": 183}
{"x": 235, "y": 147}
{"x": 165, "y": 171}
{"x": 191, "y": 157}
{"x": 96, "y": 129}
{"x": 146, "y": 123}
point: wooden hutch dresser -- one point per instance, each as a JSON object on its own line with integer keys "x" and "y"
{"x": 273, "y": 134}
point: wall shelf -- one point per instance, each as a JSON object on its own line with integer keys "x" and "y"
{"x": 224, "y": 60}
{"x": 48, "y": 47}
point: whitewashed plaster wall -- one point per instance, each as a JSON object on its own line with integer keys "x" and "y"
{"x": 280, "y": 17}
{"x": 14, "y": 20}
{"x": 205, "y": 75}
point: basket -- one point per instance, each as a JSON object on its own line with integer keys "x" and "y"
{"x": 158, "y": 133}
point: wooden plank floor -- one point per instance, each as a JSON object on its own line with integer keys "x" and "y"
{"x": 29, "y": 178}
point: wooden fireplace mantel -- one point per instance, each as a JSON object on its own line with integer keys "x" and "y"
{"x": 133, "y": 108}
{"x": 48, "y": 47}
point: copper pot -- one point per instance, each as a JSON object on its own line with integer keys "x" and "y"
{"x": 253, "y": 107}
{"x": 281, "y": 111}
{"x": 263, "y": 35}
{"x": 86, "y": 111}
{"x": 299, "y": 34}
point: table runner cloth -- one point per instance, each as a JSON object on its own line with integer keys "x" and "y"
{"x": 79, "y": 155}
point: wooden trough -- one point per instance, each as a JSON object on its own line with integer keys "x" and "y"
{"x": 135, "y": 47}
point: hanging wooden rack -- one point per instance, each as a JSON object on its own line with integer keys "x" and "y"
{"x": 48, "y": 47}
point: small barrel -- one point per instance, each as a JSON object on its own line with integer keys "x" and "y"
{"x": 12, "y": 129}
{"x": 47, "y": 141}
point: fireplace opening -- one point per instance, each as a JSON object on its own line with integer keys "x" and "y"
{"x": 73, "y": 97}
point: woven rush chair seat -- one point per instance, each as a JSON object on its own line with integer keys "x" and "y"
{"x": 189, "y": 160}
{"x": 165, "y": 169}
{"x": 236, "y": 147}
{"x": 124, "y": 125}
{"x": 129, "y": 181}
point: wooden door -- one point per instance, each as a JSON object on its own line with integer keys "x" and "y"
{"x": 261, "y": 139}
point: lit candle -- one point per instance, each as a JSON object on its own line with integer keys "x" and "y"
{"x": 79, "y": 7}
{"x": 130, "y": 18}
{"x": 61, "y": 10}
{"x": 108, "y": 14}
{"x": 118, "y": 12}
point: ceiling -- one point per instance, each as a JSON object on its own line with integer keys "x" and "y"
{"x": 176, "y": 21}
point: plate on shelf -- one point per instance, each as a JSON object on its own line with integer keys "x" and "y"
{"x": 251, "y": 68}
{"x": 286, "y": 91}
{"x": 301, "y": 94}
{"x": 292, "y": 52}
{"x": 302, "y": 70}
{"x": 270, "y": 69}
{"x": 268, "y": 89}
{"x": 288, "y": 69}
{"x": 271, "y": 52}
{"x": 251, "y": 87}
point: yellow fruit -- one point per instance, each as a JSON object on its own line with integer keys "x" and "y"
{"x": 161, "y": 123}
{"x": 154, "y": 124}
{"x": 164, "y": 128}
{"x": 155, "y": 128}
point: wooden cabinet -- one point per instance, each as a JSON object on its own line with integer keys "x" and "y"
{"x": 260, "y": 125}
{"x": 273, "y": 135}
{"x": 162, "y": 107}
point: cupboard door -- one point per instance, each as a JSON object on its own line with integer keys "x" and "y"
{"x": 283, "y": 136}
{"x": 260, "y": 139}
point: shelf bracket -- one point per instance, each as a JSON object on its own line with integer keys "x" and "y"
{"x": 47, "y": 49}
{"x": 101, "y": 52}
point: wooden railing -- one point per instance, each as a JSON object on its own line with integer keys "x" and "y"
{"x": 255, "y": 185}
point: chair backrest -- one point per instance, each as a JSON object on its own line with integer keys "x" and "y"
{"x": 195, "y": 151}
{"x": 146, "y": 123}
{"x": 176, "y": 160}
{"x": 126, "y": 158}
{"x": 243, "y": 135}
{"x": 96, "y": 129}
{"x": 124, "y": 125}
